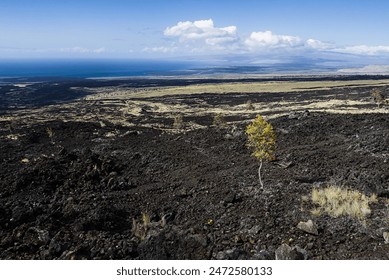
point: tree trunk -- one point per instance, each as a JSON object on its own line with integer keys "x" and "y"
{"x": 259, "y": 174}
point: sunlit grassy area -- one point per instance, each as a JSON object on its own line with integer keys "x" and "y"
{"x": 236, "y": 87}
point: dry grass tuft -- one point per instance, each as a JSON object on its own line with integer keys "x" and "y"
{"x": 219, "y": 121}
{"x": 250, "y": 106}
{"x": 336, "y": 201}
{"x": 178, "y": 121}
{"x": 140, "y": 229}
{"x": 50, "y": 132}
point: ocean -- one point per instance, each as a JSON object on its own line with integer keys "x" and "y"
{"x": 132, "y": 68}
{"x": 93, "y": 68}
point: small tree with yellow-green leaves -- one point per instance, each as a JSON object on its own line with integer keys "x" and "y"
{"x": 262, "y": 139}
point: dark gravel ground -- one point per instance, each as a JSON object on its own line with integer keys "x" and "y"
{"x": 82, "y": 193}
{"x": 80, "y": 190}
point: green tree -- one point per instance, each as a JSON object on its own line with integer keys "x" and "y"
{"x": 262, "y": 139}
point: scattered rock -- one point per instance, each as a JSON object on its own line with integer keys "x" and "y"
{"x": 262, "y": 255}
{"x": 293, "y": 115}
{"x": 233, "y": 133}
{"x": 298, "y": 253}
{"x": 309, "y": 246}
{"x": 386, "y": 237}
{"x": 236, "y": 132}
{"x": 43, "y": 236}
{"x": 228, "y": 136}
{"x": 284, "y": 164}
{"x": 167, "y": 218}
{"x": 305, "y": 114}
{"x": 171, "y": 241}
{"x": 308, "y": 227}
{"x": 36, "y": 236}
{"x": 283, "y": 131}
{"x": 298, "y": 115}
{"x": 254, "y": 230}
{"x": 285, "y": 252}
{"x": 232, "y": 254}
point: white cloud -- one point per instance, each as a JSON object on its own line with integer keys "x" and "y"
{"x": 318, "y": 45}
{"x": 99, "y": 50}
{"x": 369, "y": 69}
{"x": 82, "y": 50}
{"x": 267, "y": 39}
{"x": 202, "y": 36}
{"x": 363, "y": 49}
{"x": 203, "y": 32}
{"x": 23, "y": 50}
{"x": 160, "y": 49}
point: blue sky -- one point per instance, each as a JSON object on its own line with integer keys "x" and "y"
{"x": 262, "y": 31}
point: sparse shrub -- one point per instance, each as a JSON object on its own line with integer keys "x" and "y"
{"x": 140, "y": 229}
{"x": 250, "y": 105}
{"x": 178, "y": 122}
{"x": 219, "y": 121}
{"x": 336, "y": 201}
{"x": 262, "y": 139}
{"x": 10, "y": 128}
{"x": 50, "y": 133}
{"x": 378, "y": 97}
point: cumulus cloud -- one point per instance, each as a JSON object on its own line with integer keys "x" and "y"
{"x": 203, "y": 36}
{"x": 203, "y": 31}
{"x": 318, "y": 45}
{"x": 269, "y": 40}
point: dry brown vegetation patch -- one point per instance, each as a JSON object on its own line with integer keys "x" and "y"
{"x": 337, "y": 201}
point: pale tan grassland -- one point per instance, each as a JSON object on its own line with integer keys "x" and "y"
{"x": 237, "y": 87}
{"x": 121, "y": 104}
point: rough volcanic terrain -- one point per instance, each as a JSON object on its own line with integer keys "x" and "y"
{"x": 93, "y": 189}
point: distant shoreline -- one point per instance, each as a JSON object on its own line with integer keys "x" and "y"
{"x": 198, "y": 78}
{"x": 342, "y": 76}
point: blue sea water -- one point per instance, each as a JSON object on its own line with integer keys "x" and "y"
{"x": 72, "y": 68}
{"x": 92, "y": 68}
